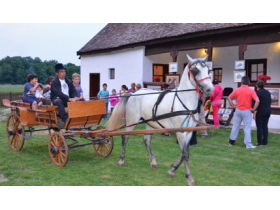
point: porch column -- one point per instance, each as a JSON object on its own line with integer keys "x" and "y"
{"x": 242, "y": 49}
{"x": 174, "y": 55}
{"x": 209, "y": 52}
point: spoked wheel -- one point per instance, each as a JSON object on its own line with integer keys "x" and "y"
{"x": 105, "y": 148}
{"x": 15, "y": 132}
{"x": 58, "y": 149}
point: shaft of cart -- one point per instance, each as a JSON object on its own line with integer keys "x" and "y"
{"x": 118, "y": 133}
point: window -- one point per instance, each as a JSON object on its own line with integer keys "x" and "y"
{"x": 255, "y": 68}
{"x": 218, "y": 74}
{"x": 111, "y": 73}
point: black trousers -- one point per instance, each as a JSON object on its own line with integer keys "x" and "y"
{"x": 193, "y": 140}
{"x": 262, "y": 129}
{"x": 60, "y": 108}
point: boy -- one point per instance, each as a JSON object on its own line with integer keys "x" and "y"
{"x": 104, "y": 95}
{"x": 30, "y": 91}
{"x": 47, "y": 89}
{"x": 76, "y": 81}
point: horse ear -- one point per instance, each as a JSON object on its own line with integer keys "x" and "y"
{"x": 190, "y": 59}
{"x": 204, "y": 59}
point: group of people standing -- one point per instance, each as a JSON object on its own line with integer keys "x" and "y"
{"x": 243, "y": 111}
{"x": 114, "y": 98}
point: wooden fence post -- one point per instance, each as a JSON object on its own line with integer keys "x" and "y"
{"x": 10, "y": 96}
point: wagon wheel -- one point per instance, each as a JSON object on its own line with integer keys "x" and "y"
{"x": 58, "y": 149}
{"x": 15, "y": 132}
{"x": 104, "y": 149}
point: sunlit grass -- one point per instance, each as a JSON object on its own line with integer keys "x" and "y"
{"x": 212, "y": 162}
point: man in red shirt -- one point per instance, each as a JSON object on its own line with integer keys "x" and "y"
{"x": 243, "y": 112}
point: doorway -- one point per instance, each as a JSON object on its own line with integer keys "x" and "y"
{"x": 94, "y": 84}
{"x": 160, "y": 70}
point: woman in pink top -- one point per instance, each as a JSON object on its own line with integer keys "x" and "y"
{"x": 216, "y": 99}
{"x": 114, "y": 99}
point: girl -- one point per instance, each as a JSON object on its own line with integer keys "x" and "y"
{"x": 39, "y": 91}
{"x": 123, "y": 91}
{"x": 114, "y": 99}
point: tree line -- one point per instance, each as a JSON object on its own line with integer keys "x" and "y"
{"x": 14, "y": 70}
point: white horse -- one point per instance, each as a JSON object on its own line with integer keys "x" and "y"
{"x": 195, "y": 76}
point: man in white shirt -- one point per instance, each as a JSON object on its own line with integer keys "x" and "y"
{"x": 62, "y": 91}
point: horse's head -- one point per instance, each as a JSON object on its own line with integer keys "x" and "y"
{"x": 199, "y": 75}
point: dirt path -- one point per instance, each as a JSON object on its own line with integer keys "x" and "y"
{"x": 3, "y": 178}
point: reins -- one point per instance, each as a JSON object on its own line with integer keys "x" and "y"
{"x": 172, "y": 113}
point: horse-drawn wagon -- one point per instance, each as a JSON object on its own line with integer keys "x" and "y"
{"x": 82, "y": 116}
{"x": 173, "y": 111}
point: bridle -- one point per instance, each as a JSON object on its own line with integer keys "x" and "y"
{"x": 198, "y": 90}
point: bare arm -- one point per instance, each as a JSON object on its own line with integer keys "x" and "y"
{"x": 230, "y": 102}
{"x": 81, "y": 95}
{"x": 34, "y": 88}
{"x": 257, "y": 102}
{"x": 98, "y": 96}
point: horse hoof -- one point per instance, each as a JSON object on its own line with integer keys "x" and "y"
{"x": 191, "y": 183}
{"x": 171, "y": 174}
{"x": 154, "y": 166}
{"x": 121, "y": 163}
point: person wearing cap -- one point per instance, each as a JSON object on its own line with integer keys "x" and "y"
{"x": 62, "y": 91}
{"x": 243, "y": 112}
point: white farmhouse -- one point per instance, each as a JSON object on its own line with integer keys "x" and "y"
{"x": 127, "y": 52}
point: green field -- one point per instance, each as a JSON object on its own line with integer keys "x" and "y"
{"x": 212, "y": 162}
{"x": 11, "y": 88}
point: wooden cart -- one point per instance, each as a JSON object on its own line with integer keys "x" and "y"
{"x": 81, "y": 117}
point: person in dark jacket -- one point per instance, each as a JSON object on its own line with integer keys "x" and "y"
{"x": 62, "y": 91}
{"x": 262, "y": 114}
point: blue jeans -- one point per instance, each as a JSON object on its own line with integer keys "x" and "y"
{"x": 105, "y": 115}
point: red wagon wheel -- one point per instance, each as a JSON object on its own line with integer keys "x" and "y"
{"x": 58, "y": 149}
{"x": 104, "y": 149}
{"x": 15, "y": 132}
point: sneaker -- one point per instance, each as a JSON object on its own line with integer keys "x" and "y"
{"x": 60, "y": 123}
{"x": 253, "y": 147}
{"x": 257, "y": 144}
{"x": 231, "y": 142}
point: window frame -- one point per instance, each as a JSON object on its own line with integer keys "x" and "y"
{"x": 217, "y": 70}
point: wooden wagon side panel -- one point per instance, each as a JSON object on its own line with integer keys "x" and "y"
{"x": 86, "y": 108}
{"x": 82, "y": 122}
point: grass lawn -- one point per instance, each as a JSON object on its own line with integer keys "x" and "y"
{"x": 212, "y": 162}
{"x": 11, "y": 88}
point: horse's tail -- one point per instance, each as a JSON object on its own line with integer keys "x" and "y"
{"x": 116, "y": 118}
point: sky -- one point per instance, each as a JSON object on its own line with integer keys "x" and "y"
{"x": 48, "y": 41}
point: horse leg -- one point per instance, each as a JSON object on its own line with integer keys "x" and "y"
{"x": 124, "y": 142}
{"x": 185, "y": 157}
{"x": 183, "y": 139}
{"x": 147, "y": 140}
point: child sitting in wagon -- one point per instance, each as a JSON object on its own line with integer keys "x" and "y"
{"x": 30, "y": 91}
{"x": 39, "y": 91}
{"x": 76, "y": 81}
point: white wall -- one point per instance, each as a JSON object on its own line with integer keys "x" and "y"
{"x": 225, "y": 58}
{"x": 272, "y": 53}
{"x": 128, "y": 66}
